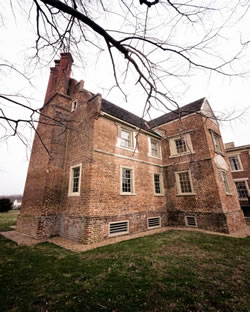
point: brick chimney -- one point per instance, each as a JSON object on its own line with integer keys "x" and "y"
{"x": 59, "y": 76}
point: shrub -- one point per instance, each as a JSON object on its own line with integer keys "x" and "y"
{"x": 5, "y": 205}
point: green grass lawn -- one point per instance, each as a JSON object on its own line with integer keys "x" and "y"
{"x": 173, "y": 271}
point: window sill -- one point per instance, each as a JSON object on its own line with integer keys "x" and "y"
{"x": 186, "y": 194}
{"x": 128, "y": 149}
{"x": 181, "y": 154}
{"x": 229, "y": 194}
{"x": 128, "y": 194}
{"x": 158, "y": 195}
{"x": 73, "y": 194}
{"x": 240, "y": 170}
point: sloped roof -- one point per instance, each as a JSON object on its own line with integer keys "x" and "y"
{"x": 132, "y": 119}
{"x": 178, "y": 113}
{"x": 125, "y": 115}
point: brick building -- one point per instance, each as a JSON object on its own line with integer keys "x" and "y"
{"x": 239, "y": 159}
{"x": 112, "y": 173}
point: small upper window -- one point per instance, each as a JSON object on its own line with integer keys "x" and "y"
{"x": 242, "y": 189}
{"x": 73, "y": 105}
{"x": 180, "y": 145}
{"x": 225, "y": 181}
{"x": 155, "y": 148}
{"x": 235, "y": 163}
{"x": 126, "y": 138}
{"x": 217, "y": 142}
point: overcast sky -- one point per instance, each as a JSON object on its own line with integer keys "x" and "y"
{"x": 227, "y": 96}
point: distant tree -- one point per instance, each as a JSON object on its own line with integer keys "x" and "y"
{"x": 5, "y": 205}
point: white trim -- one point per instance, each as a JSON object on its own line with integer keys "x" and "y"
{"x": 214, "y": 137}
{"x": 70, "y": 192}
{"x": 178, "y": 185}
{"x": 161, "y": 184}
{"x": 188, "y": 143}
{"x": 133, "y": 147}
{"x": 132, "y": 178}
{"x": 74, "y": 105}
{"x": 239, "y": 160}
{"x": 121, "y": 233}
{"x": 247, "y": 187}
{"x": 150, "y": 148}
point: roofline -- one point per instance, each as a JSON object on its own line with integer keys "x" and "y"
{"x": 177, "y": 119}
{"x": 237, "y": 148}
{"x": 104, "y": 114}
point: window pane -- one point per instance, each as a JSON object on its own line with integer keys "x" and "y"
{"x": 185, "y": 183}
{"x": 126, "y": 180}
{"x": 154, "y": 148}
{"x": 217, "y": 143}
{"x": 75, "y": 179}
{"x": 157, "y": 183}
{"x": 180, "y": 146}
{"x": 234, "y": 163}
{"x": 242, "y": 189}
{"x": 126, "y": 138}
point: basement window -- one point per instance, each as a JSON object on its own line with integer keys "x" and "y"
{"x": 190, "y": 221}
{"x": 154, "y": 222}
{"x": 118, "y": 228}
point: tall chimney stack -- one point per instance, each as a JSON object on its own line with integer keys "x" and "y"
{"x": 59, "y": 76}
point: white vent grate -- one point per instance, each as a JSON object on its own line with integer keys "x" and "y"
{"x": 154, "y": 222}
{"x": 118, "y": 228}
{"x": 191, "y": 221}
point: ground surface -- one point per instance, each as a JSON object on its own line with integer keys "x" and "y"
{"x": 171, "y": 271}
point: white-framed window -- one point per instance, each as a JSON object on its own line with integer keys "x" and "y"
{"x": 217, "y": 142}
{"x": 184, "y": 183}
{"x": 154, "y": 148}
{"x": 118, "y": 228}
{"x": 126, "y": 138}
{"x": 75, "y": 180}
{"x": 127, "y": 181}
{"x": 224, "y": 178}
{"x": 235, "y": 163}
{"x": 154, "y": 222}
{"x": 180, "y": 145}
{"x": 158, "y": 184}
{"x": 73, "y": 105}
{"x": 242, "y": 189}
